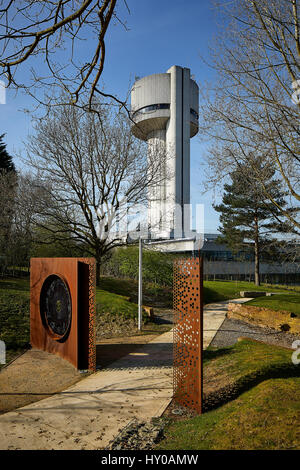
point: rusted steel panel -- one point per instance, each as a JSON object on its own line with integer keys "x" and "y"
{"x": 188, "y": 332}
{"x": 88, "y": 312}
{"x": 50, "y": 304}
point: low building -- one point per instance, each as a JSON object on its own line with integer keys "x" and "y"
{"x": 221, "y": 263}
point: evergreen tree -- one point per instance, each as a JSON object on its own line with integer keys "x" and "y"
{"x": 8, "y": 185}
{"x": 6, "y": 163}
{"x": 248, "y": 217}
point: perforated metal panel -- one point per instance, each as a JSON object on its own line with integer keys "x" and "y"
{"x": 188, "y": 333}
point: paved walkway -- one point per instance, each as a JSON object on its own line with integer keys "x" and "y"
{"x": 91, "y": 413}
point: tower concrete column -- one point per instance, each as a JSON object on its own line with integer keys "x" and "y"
{"x": 157, "y": 194}
{"x": 165, "y": 114}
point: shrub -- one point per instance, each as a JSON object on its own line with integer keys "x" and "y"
{"x": 157, "y": 267}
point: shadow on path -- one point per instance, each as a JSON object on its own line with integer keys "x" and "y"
{"x": 116, "y": 356}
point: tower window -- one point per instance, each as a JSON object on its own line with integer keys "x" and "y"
{"x": 152, "y": 107}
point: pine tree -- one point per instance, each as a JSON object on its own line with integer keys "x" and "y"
{"x": 248, "y": 218}
{"x": 6, "y": 163}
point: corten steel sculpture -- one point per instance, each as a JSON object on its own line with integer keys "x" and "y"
{"x": 188, "y": 333}
{"x": 62, "y": 308}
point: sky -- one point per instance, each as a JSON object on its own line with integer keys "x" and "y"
{"x": 159, "y": 34}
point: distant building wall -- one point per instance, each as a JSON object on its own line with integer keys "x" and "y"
{"x": 244, "y": 267}
{"x": 285, "y": 273}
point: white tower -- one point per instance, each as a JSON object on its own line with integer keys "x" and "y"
{"x": 164, "y": 108}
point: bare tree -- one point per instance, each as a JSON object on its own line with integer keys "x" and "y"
{"x": 43, "y": 41}
{"x": 92, "y": 171}
{"x": 254, "y": 108}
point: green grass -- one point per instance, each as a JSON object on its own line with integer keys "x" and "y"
{"x": 108, "y": 302}
{"x": 113, "y": 297}
{"x": 14, "y": 314}
{"x": 14, "y": 317}
{"x": 289, "y": 302}
{"x": 284, "y": 298}
{"x": 152, "y": 293}
{"x": 264, "y": 412}
{"x": 213, "y": 291}
{"x": 249, "y": 359}
{"x": 258, "y": 420}
{"x": 126, "y": 287}
{"x": 289, "y": 288}
{"x": 17, "y": 286}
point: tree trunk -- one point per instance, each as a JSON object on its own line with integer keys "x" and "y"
{"x": 256, "y": 251}
{"x": 97, "y": 273}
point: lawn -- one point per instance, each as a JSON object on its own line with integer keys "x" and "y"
{"x": 289, "y": 302}
{"x": 213, "y": 291}
{"x": 216, "y": 291}
{"x": 14, "y": 314}
{"x": 115, "y": 304}
{"x": 17, "y": 286}
{"x": 116, "y": 301}
{"x": 116, "y": 297}
{"x": 284, "y": 299}
{"x": 262, "y": 407}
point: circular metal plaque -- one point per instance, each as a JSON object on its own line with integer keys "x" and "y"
{"x": 55, "y": 306}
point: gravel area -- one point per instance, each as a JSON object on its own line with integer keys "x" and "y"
{"x": 232, "y": 329}
{"x": 139, "y": 435}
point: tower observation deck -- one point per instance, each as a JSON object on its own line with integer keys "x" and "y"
{"x": 164, "y": 108}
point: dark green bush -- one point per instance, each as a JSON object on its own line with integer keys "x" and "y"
{"x": 157, "y": 267}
